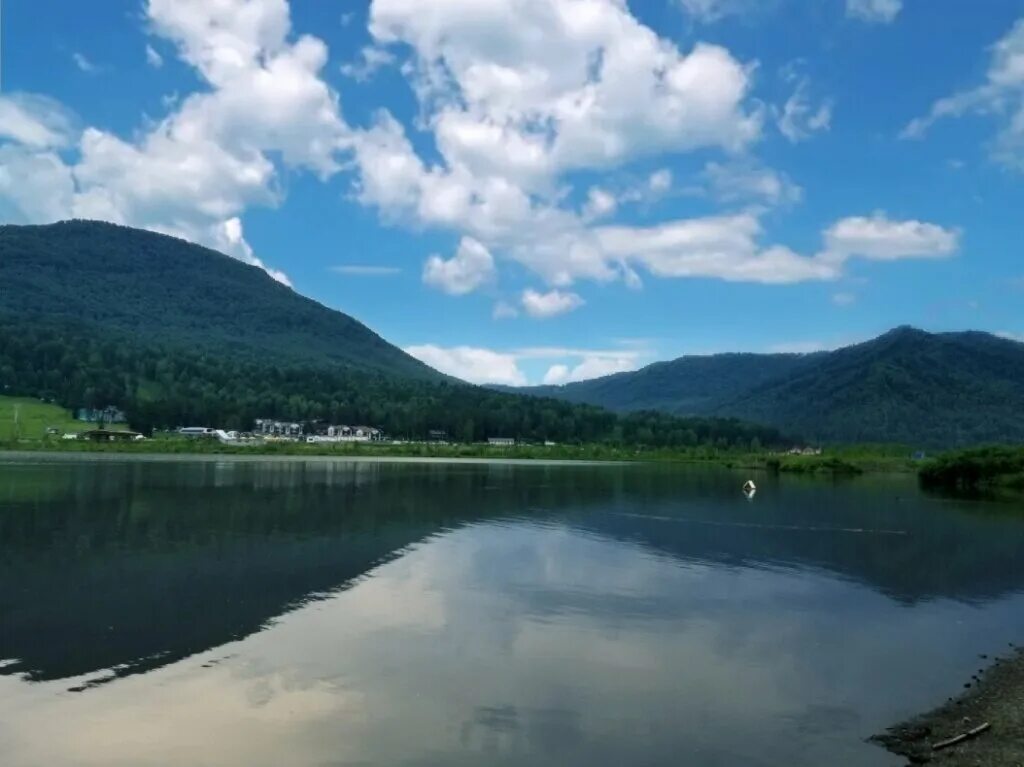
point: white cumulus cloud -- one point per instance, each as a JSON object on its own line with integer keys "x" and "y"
{"x": 600, "y": 202}
{"x": 472, "y": 364}
{"x": 722, "y": 247}
{"x": 594, "y": 366}
{"x": 881, "y": 239}
{"x": 470, "y": 267}
{"x": 550, "y": 304}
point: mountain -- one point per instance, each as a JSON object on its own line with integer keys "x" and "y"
{"x": 94, "y": 314}
{"x": 162, "y": 289}
{"x": 687, "y": 384}
{"x": 910, "y": 386}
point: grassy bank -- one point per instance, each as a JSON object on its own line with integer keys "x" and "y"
{"x": 23, "y": 418}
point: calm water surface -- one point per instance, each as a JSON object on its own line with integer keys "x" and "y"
{"x": 250, "y": 613}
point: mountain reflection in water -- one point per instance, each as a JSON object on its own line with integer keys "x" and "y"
{"x": 429, "y": 613}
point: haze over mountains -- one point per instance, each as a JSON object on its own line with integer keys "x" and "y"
{"x": 904, "y": 386}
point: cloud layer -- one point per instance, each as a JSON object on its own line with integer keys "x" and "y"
{"x": 1000, "y": 96}
{"x": 517, "y": 100}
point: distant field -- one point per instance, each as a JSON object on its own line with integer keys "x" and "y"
{"x": 35, "y": 417}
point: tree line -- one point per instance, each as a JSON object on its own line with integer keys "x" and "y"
{"x": 167, "y": 385}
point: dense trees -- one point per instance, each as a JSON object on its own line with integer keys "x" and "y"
{"x": 169, "y": 385}
{"x": 907, "y": 386}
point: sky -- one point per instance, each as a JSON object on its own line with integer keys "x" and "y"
{"x": 528, "y": 191}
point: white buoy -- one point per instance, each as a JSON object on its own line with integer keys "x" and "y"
{"x": 749, "y": 488}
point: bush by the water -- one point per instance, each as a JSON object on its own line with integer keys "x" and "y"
{"x": 976, "y": 469}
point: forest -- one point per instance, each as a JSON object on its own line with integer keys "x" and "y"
{"x": 167, "y": 385}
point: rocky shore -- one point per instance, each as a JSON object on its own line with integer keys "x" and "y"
{"x": 990, "y": 716}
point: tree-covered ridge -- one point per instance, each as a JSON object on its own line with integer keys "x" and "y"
{"x": 695, "y": 384}
{"x": 162, "y": 289}
{"x": 907, "y": 386}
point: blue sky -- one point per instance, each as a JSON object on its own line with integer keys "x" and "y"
{"x": 529, "y": 190}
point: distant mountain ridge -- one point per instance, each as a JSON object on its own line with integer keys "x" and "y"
{"x": 907, "y": 385}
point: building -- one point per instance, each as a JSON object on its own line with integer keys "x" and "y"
{"x": 341, "y": 433}
{"x": 367, "y": 434}
{"x": 804, "y": 451}
{"x": 501, "y": 441}
{"x": 437, "y": 435}
{"x": 109, "y": 414}
{"x": 268, "y": 427}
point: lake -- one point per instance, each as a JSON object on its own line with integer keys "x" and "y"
{"x": 242, "y": 613}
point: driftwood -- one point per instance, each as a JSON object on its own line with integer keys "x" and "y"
{"x": 961, "y": 737}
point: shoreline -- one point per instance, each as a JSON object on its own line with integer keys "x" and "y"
{"x": 240, "y": 457}
{"x": 994, "y": 696}
{"x": 829, "y": 465}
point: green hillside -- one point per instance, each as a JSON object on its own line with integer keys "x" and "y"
{"x": 907, "y": 386}
{"x": 684, "y": 385}
{"x": 93, "y": 314}
{"x": 27, "y": 418}
{"x": 162, "y": 289}
{"x": 944, "y": 389}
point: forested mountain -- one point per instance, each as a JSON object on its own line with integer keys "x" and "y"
{"x": 93, "y": 314}
{"x": 932, "y": 389}
{"x": 161, "y": 289}
{"x": 687, "y": 384}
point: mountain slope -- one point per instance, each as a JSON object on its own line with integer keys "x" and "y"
{"x": 905, "y": 386}
{"x": 684, "y": 385}
{"x": 908, "y": 386}
{"x": 159, "y": 288}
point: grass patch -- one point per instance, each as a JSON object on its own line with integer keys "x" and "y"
{"x": 34, "y": 417}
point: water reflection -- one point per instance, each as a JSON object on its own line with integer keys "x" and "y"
{"x": 368, "y": 613}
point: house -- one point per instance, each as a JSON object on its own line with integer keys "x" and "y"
{"x": 342, "y": 433}
{"x": 109, "y": 414}
{"x": 367, "y": 434}
{"x": 268, "y": 427}
{"x": 437, "y": 435}
{"x": 804, "y": 451}
{"x": 501, "y": 441}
